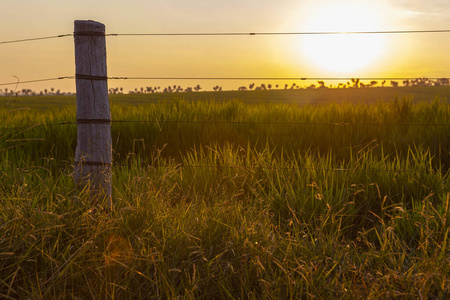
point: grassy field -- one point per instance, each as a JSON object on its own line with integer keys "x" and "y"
{"x": 296, "y": 96}
{"x": 234, "y": 196}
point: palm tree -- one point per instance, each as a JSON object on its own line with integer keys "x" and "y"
{"x": 197, "y": 88}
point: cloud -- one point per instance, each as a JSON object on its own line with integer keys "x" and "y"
{"x": 423, "y": 7}
{"x": 420, "y": 14}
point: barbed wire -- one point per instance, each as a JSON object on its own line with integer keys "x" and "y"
{"x": 233, "y": 78}
{"x": 37, "y": 80}
{"x": 36, "y": 38}
{"x": 277, "y": 123}
{"x": 281, "y": 168}
{"x": 219, "y": 166}
{"x": 274, "y": 78}
{"x": 162, "y": 122}
{"x": 282, "y": 33}
{"x": 237, "y": 34}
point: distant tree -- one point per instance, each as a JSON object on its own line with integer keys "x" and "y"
{"x": 422, "y": 82}
{"x": 269, "y": 86}
{"x": 276, "y": 86}
{"x": 406, "y": 82}
{"x": 373, "y": 82}
{"x": 394, "y": 83}
{"x": 251, "y": 86}
{"x": 321, "y": 83}
{"x": 442, "y": 81}
{"x": 355, "y": 82}
{"x": 197, "y": 88}
{"x": 286, "y": 86}
{"x": 382, "y": 84}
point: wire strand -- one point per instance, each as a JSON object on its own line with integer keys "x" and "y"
{"x": 239, "y": 34}
{"x": 273, "y": 78}
{"x": 283, "y": 33}
{"x": 162, "y": 122}
{"x": 36, "y": 39}
{"x": 277, "y": 123}
{"x": 37, "y": 80}
{"x": 181, "y": 165}
{"x": 234, "y": 78}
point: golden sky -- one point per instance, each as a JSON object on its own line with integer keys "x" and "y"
{"x": 388, "y": 55}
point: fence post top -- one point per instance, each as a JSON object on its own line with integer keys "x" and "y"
{"x": 89, "y": 25}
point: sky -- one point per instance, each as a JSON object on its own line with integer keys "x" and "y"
{"x": 388, "y": 55}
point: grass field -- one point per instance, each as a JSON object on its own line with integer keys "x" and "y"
{"x": 234, "y": 196}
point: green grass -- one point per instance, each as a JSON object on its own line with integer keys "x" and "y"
{"x": 232, "y": 210}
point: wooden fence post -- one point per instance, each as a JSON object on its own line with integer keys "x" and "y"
{"x": 93, "y": 156}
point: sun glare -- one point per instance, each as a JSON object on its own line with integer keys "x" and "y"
{"x": 342, "y": 53}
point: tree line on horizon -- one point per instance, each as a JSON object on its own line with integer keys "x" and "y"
{"x": 354, "y": 83}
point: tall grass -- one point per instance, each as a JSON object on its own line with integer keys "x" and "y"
{"x": 179, "y": 126}
{"x": 239, "y": 210}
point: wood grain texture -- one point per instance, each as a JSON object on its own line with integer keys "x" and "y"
{"x": 93, "y": 138}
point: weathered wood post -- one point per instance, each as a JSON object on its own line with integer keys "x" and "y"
{"x": 93, "y": 156}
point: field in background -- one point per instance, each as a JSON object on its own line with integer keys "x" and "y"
{"x": 301, "y": 96}
{"x": 218, "y": 198}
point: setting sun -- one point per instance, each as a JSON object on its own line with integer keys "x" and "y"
{"x": 342, "y": 53}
